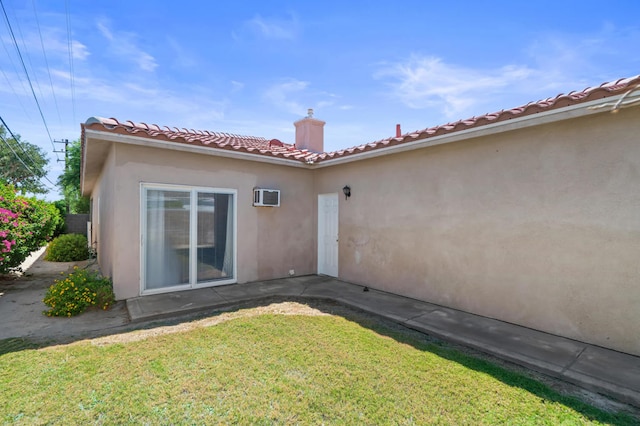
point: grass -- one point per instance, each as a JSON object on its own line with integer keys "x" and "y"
{"x": 275, "y": 369}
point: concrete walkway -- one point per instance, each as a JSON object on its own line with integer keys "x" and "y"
{"x": 591, "y": 367}
{"x": 21, "y": 306}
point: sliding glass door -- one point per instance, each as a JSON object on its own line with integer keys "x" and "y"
{"x": 188, "y": 237}
{"x": 167, "y": 238}
{"x": 215, "y": 244}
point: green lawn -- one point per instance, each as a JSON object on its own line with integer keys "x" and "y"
{"x": 275, "y": 369}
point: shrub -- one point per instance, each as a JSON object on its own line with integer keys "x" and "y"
{"x": 61, "y": 206}
{"x": 80, "y": 290}
{"x": 25, "y": 225}
{"x": 67, "y": 248}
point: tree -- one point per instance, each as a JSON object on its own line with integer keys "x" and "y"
{"x": 69, "y": 180}
{"x": 12, "y": 170}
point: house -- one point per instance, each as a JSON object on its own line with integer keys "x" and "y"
{"x": 529, "y": 215}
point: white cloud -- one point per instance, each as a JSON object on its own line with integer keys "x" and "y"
{"x": 79, "y": 50}
{"x": 273, "y": 28}
{"x": 123, "y": 45}
{"x": 236, "y": 86}
{"x": 281, "y": 95}
{"x": 296, "y": 96}
{"x": 576, "y": 60}
{"x": 430, "y": 82}
{"x": 551, "y": 64}
{"x": 128, "y": 100}
{"x": 55, "y": 43}
{"x": 58, "y": 44}
{"x": 183, "y": 57}
{"x": 106, "y": 32}
{"x": 324, "y": 104}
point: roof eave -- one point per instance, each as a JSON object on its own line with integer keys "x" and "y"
{"x": 108, "y": 136}
{"x": 516, "y": 123}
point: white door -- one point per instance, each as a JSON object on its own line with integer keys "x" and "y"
{"x": 328, "y": 234}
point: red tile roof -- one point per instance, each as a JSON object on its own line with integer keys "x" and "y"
{"x": 275, "y": 148}
{"x": 227, "y": 141}
{"x": 605, "y": 90}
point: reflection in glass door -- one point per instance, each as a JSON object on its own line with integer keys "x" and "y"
{"x": 188, "y": 238}
{"x": 167, "y": 257}
{"x": 215, "y": 237}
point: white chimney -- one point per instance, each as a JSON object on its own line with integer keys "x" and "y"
{"x": 310, "y": 133}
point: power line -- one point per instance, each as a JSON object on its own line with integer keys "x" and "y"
{"x": 17, "y": 156}
{"x": 25, "y": 164}
{"x": 17, "y": 74}
{"x": 15, "y": 42}
{"x": 22, "y": 162}
{"x": 17, "y": 141}
{"x": 46, "y": 61}
{"x": 15, "y": 93}
{"x": 4, "y": 124}
{"x": 71, "y": 71}
{"x": 26, "y": 53}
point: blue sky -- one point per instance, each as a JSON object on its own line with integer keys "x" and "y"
{"x": 254, "y": 68}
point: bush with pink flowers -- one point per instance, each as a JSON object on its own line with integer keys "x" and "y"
{"x": 26, "y": 224}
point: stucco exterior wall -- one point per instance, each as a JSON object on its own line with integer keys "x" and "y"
{"x": 538, "y": 227}
{"x": 271, "y": 240}
{"x": 102, "y": 220}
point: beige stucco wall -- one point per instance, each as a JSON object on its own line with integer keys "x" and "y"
{"x": 271, "y": 240}
{"x": 538, "y": 227}
{"x": 102, "y": 219}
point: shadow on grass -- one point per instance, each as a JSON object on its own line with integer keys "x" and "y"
{"x": 16, "y": 344}
{"x": 475, "y": 361}
{"x": 382, "y": 326}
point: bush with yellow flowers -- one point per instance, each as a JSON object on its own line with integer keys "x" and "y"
{"x": 80, "y": 290}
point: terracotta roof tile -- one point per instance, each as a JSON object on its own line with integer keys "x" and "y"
{"x": 560, "y": 101}
{"x": 275, "y": 148}
{"x": 220, "y": 140}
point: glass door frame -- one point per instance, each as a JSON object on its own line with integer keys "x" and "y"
{"x": 193, "y": 236}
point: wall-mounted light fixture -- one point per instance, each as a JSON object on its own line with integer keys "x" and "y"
{"x": 347, "y": 191}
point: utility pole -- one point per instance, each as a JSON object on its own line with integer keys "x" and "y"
{"x": 66, "y": 158}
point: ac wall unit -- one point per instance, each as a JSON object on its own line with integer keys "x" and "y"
{"x": 266, "y": 197}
